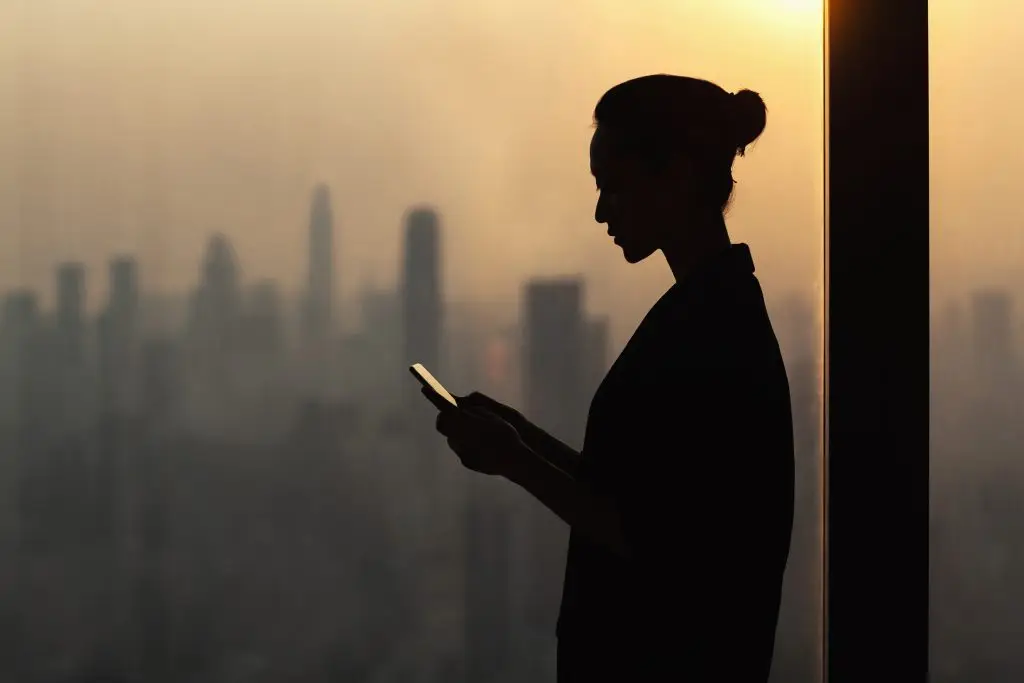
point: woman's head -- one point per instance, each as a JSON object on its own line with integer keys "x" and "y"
{"x": 662, "y": 157}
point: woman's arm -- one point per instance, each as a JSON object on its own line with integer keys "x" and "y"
{"x": 548, "y": 447}
{"x": 576, "y": 504}
{"x": 559, "y": 454}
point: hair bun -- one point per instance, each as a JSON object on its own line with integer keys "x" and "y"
{"x": 749, "y": 116}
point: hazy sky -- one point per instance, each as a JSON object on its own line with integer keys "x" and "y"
{"x": 145, "y": 125}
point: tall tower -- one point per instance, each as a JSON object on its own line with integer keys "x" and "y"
{"x": 213, "y": 338}
{"x": 218, "y": 301}
{"x": 321, "y": 267}
{"x": 421, "y": 290}
{"x": 441, "y": 562}
{"x": 118, "y": 339}
{"x": 69, "y": 403}
{"x": 70, "y": 308}
{"x": 124, "y": 286}
{"x": 556, "y": 353}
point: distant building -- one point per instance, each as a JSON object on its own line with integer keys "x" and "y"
{"x": 421, "y": 291}
{"x": 21, "y": 359}
{"x": 559, "y": 356}
{"x": 320, "y": 295}
{"x": 556, "y": 355}
{"x": 21, "y": 405}
{"x": 421, "y": 311}
{"x": 70, "y": 322}
{"x": 118, "y": 341}
{"x": 218, "y": 302}
{"x": 25, "y": 391}
{"x": 70, "y": 402}
{"x": 20, "y": 311}
{"x": 213, "y": 338}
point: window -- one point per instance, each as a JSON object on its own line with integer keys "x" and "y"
{"x": 976, "y": 388}
{"x": 229, "y": 225}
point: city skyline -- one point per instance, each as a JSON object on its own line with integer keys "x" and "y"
{"x": 226, "y": 379}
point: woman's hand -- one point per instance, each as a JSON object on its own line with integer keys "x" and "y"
{"x": 506, "y": 413}
{"x": 484, "y": 441}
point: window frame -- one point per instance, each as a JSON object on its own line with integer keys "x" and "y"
{"x": 877, "y": 381}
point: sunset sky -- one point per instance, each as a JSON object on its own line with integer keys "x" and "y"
{"x": 144, "y": 126}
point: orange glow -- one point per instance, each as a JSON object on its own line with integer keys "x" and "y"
{"x": 496, "y": 362}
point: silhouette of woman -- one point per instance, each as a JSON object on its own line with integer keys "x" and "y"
{"x": 681, "y": 501}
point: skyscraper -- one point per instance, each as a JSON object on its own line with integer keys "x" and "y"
{"x": 20, "y": 327}
{"x": 68, "y": 361}
{"x": 555, "y": 356}
{"x": 442, "y": 564}
{"x": 555, "y": 387}
{"x": 320, "y": 296}
{"x": 214, "y": 331}
{"x": 19, "y": 404}
{"x": 21, "y": 310}
{"x": 118, "y": 339}
{"x": 124, "y": 286}
{"x": 421, "y": 290}
{"x": 218, "y": 301}
{"x": 70, "y": 308}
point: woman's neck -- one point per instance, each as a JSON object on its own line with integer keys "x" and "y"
{"x": 699, "y": 242}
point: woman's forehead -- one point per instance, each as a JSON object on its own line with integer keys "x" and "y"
{"x": 599, "y": 151}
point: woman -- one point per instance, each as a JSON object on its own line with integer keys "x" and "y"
{"x": 681, "y": 502}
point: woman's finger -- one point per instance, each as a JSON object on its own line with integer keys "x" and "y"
{"x": 447, "y": 422}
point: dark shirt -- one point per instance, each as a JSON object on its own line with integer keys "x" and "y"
{"x": 691, "y": 433}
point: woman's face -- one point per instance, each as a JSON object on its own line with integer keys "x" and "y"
{"x": 643, "y": 209}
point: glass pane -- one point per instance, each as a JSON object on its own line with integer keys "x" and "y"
{"x": 229, "y": 226}
{"x": 977, "y": 544}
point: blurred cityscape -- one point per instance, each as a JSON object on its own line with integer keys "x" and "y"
{"x": 231, "y": 486}
{"x": 977, "y": 481}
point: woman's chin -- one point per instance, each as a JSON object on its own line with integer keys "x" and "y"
{"x": 634, "y": 255}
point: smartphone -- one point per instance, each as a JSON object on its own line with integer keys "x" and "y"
{"x": 437, "y": 394}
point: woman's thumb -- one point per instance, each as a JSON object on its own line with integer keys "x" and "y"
{"x": 477, "y": 399}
